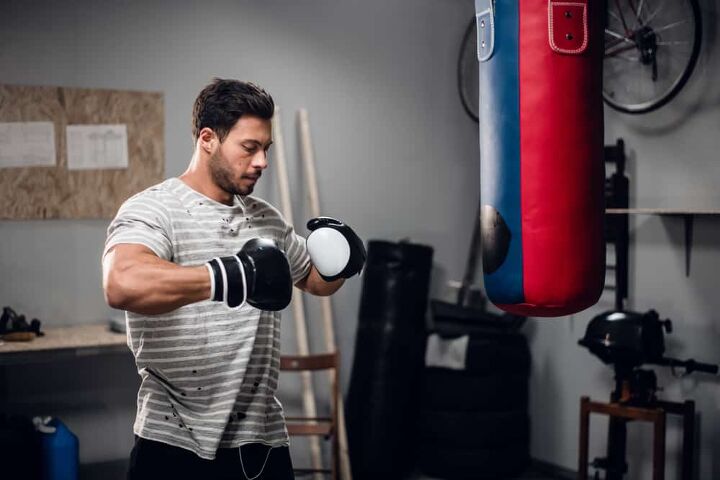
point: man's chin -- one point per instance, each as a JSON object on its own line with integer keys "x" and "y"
{"x": 244, "y": 190}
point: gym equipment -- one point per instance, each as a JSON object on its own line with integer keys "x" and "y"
{"x": 651, "y": 49}
{"x": 15, "y": 328}
{"x": 541, "y": 144}
{"x": 258, "y": 274}
{"x": 389, "y": 346}
{"x": 464, "y": 315}
{"x": 335, "y": 249}
{"x": 474, "y": 412}
{"x": 627, "y": 340}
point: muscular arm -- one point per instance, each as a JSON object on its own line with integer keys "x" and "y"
{"x": 314, "y": 284}
{"x": 137, "y": 280}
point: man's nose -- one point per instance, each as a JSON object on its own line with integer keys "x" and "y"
{"x": 260, "y": 160}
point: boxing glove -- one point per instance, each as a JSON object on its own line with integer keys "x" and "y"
{"x": 258, "y": 274}
{"x": 335, "y": 250}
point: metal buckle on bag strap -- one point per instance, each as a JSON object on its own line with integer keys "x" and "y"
{"x": 485, "y": 25}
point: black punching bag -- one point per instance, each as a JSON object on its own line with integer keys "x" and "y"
{"x": 381, "y": 408}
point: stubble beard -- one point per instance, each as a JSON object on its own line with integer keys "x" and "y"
{"x": 222, "y": 176}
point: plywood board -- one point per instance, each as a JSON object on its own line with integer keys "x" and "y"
{"x": 56, "y": 192}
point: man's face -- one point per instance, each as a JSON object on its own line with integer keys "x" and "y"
{"x": 238, "y": 162}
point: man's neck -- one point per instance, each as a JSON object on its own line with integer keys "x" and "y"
{"x": 198, "y": 178}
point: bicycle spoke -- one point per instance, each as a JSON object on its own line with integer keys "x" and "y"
{"x": 618, "y": 36}
{"x": 670, "y": 25}
{"x": 622, "y": 17}
{"x": 654, "y": 14}
{"x": 611, "y": 43}
{"x": 675, "y": 42}
{"x": 614, "y": 15}
{"x": 638, "y": 22}
{"x": 627, "y": 58}
{"x": 626, "y": 48}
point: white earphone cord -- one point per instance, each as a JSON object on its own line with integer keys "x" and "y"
{"x": 261, "y": 468}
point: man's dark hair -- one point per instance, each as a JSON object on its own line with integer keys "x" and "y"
{"x": 223, "y": 102}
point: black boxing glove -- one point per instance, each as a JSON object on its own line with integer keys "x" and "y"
{"x": 258, "y": 274}
{"x": 335, "y": 249}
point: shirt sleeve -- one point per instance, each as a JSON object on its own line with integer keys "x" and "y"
{"x": 297, "y": 254}
{"x": 142, "y": 220}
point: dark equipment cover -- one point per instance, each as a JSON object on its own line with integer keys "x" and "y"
{"x": 382, "y": 407}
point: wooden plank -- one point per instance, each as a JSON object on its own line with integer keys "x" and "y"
{"x": 308, "y": 158}
{"x": 298, "y": 307}
{"x": 320, "y": 361}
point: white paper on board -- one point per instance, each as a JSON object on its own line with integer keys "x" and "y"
{"x": 97, "y": 147}
{"x": 27, "y": 144}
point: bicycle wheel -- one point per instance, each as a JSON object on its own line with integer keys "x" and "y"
{"x": 651, "y": 48}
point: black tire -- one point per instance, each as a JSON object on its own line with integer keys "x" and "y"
{"x": 474, "y": 429}
{"x": 494, "y": 354}
{"x": 457, "y": 391}
{"x": 476, "y": 463}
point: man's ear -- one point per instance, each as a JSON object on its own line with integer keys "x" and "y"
{"x": 207, "y": 140}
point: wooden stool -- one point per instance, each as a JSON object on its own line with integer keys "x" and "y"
{"x": 656, "y": 414}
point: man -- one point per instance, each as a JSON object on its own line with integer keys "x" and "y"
{"x": 202, "y": 268}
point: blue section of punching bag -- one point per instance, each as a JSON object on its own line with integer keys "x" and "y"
{"x": 60, "y": 457}
{"x": 500, "y": 139}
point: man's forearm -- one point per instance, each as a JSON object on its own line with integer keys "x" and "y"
{"x": 152, "y": 285}
{"x": 315, "y": 285}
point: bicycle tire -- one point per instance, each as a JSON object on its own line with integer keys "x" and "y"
{"x": 680, "y": 82}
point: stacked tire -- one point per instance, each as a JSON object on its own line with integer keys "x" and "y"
{"x": 474, "y": 422}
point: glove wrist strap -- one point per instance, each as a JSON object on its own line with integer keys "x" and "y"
{"x": 234, "y": 275}
{"x": 217, "y": 280}
{"x": 211, "y": 274}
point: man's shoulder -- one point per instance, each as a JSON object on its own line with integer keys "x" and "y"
{"x": 160, "y": 194}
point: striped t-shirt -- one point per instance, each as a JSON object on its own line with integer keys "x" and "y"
{"x": 208, "y": 373}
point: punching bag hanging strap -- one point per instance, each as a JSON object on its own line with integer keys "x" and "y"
{"x": 485, "y": 19}
{"x": 568, "y": 26}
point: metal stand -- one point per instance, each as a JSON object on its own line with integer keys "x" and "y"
{"x": 622, "y": 414}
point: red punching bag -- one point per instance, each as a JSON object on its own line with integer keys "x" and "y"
{"x": 541, "y": 144}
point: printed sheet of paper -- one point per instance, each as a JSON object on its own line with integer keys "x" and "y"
{"x": 96, "y": 147}
{"x": 27, "y": 144}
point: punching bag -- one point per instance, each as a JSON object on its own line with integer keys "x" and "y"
{"x": 381, "y": 407}
{"x": 541, "y": 150}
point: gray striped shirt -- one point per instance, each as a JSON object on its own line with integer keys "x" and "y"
{"x": 208, "y": 373}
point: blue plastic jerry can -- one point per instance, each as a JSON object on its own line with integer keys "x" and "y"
{"x": 60, "y": 450}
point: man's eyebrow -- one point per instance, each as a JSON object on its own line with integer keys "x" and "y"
{"x": 257, "y": 142}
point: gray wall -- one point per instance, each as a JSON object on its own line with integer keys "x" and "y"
{"x": 395, "y": 152}
{"x": 673, "y": 163}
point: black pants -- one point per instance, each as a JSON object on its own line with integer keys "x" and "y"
{"x": 150, "y": 460}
